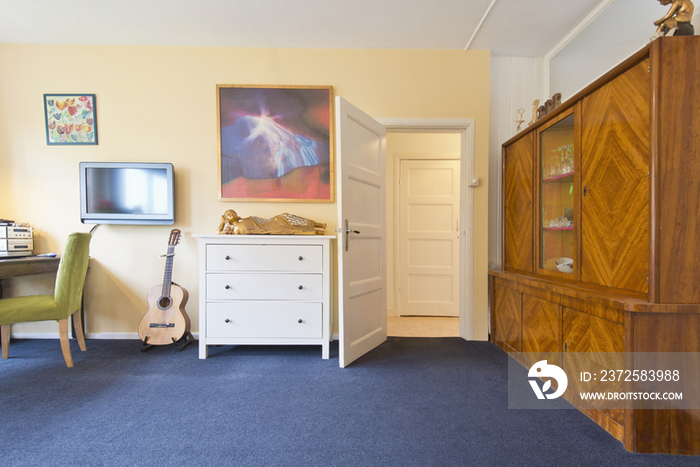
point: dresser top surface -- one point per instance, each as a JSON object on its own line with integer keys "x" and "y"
{"x": 268, "y": 239}
{"x": 261, "y": 238}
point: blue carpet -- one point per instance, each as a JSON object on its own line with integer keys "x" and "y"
{"x": 410, "y": 402}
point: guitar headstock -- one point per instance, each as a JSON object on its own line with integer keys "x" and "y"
{"x": 174, "y": 237}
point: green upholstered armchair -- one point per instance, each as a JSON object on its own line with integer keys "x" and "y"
{"x": 65, "y": 301}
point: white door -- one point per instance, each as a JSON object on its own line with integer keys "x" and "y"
{"x": 361, "y": 146}
{"x": 429, "y": 238}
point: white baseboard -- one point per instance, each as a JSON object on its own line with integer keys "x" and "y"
{"x": 34, "y": 335}
{"x": 121, "y": 335}
{"x": 89, "y": 335}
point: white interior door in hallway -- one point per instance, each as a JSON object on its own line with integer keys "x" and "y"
{"x": 429, "y": 217}
{"x": 362, "y": 297}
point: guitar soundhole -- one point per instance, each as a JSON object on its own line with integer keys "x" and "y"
{"x": 164, "y": 303}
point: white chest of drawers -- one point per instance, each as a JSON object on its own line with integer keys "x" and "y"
{"x": 264, "y": 289}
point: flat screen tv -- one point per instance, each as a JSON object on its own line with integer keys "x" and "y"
{"x": 126, "y": 193}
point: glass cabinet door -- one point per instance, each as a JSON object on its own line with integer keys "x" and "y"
{"x": 557, "y": 245}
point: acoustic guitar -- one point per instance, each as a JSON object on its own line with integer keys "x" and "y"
{"x": 166, "y": 321}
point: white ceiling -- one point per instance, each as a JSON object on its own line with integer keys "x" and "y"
{"x": 528, "y": 28}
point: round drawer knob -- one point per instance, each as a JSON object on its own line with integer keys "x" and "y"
{"x": 227, "y": 320}
{"x": 301, "y": 287}
{"x": 300, "y": 321}
{"x": 227, "y": 257}
{"x": 301, "y": 258}
{"x": 227, "y": 287}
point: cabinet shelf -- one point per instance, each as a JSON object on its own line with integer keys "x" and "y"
{"x": 563, "y": 178}
{"x": 556, "y": 194}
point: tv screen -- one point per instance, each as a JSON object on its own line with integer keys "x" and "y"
{"x": 126, "y": 193}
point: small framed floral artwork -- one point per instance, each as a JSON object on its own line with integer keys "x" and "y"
{"x": 70, "y": 119}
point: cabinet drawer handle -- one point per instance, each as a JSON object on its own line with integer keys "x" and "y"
{"x": 227, "y": 287}
{"x": 227, "y": 257}
{"x": 301, "y": 258}
{"x": 300, "y": 321}
{"x": 301, "y": 287}
{"x": 227, "y": 320}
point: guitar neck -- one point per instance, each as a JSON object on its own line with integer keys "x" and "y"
{"x": 168, "y": 275}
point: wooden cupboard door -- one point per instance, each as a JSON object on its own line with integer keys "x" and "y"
{"x": 507, "y": 318}
{"x": 518, "y": 177}
{"x": 615, "y": 207}
{"x": 678, "y": 205}
{"x": 586, "y": 333}
{"x": 541, "y": 329}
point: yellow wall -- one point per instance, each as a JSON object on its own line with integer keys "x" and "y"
{"x": 158, "y": 104}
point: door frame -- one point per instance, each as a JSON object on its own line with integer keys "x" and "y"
{"x": 465, "y": 127}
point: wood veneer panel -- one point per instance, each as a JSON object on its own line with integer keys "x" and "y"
{"x": 615, "y": 179}
{"x": 492, "y": 310}
{"x": 553, "y": 288}
{"x": 667, "y": 431}
{"x": 679, "y": 171}
{"x": 518, "y": 204}
{"x": 541, "y": 326}
{"x": 603, "y": 420}
{"x": 508, "y": 324}
{"x": 586, "y": 333}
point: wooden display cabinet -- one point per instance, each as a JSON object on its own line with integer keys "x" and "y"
{"x": 609, "y": 180}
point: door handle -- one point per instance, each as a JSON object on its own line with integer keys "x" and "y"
{"x": 348, "y": 230}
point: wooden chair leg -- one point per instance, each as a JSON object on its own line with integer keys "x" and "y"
{"x": 65, "y": 343}
{"x": 5, "y": 331}
{"x": 78, "y": 326}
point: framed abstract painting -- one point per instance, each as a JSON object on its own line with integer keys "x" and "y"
{"x": 276, "y": 143}
{"x": 70, "y": 119}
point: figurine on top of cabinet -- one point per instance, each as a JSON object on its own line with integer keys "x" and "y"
{"x": 519, "y": 120}
{"x": 535, "y": 105}
{"x": 282, "y": 224}
{"x": 549, "y": 105}
{"x": 678, "y": 17}
{"x": 557, "y": 99}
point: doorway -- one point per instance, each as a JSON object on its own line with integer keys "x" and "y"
{"x": 424, "y": 274}
{"x": 361, "y": 146}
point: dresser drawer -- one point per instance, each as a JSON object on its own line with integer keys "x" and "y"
{"x": 264, "y": 320}
{"x": 261, "y": 286}
{"x": 298, "y": 258}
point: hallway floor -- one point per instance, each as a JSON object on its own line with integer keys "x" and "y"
{"x": 422, "y": 326}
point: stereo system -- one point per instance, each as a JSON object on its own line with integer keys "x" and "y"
{"x": 16, "y": 241}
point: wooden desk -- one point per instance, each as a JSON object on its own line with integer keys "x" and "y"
{"x": 26, "y": 266}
